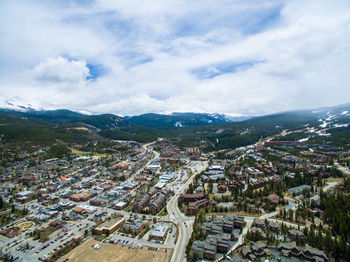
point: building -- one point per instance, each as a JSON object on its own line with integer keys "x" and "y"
{"x": 191, "y": 197}
{"x": 294, "y": 191}
{"x": 99, "y": 202}
{"x": 57, "y": 223}
{"x": 81, "y": 197}
{"x": 193, "y": 207}
{"x": 141, "y": 203}
{"x": 109, "y": 226}
{"x": 24, "y": 196}
{"x": 120, "y": 205}
{"x": 220, "y": 225}
{"x": 134, "y": 227}
{"x": 212, "y": 245}
{"x": 167, "y": 176}
{"x": 273, "y": 198}
{"x": 306, "y": 253}
{"x": 159, "y": 231}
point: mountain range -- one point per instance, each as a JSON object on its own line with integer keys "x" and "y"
{"x": 106, "y": 121}
{"x": 215, "y": 130}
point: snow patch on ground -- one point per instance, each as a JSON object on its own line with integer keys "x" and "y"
{"x": 341, "y": 125}
{"x": 178, "y": 124}
{"x": 303, "y": 139}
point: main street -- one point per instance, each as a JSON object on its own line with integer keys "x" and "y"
{"x": 156, "y": 155}
{"x": 184, "y": 224}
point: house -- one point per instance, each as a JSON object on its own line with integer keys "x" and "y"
{"x": 257, "y": 249}
{"x": 260, "y": 223}
{"x": 273, "y": 198}
{"x": 294, "y": 234}
{"x": 305, "y": 253}
{"x": 258, "y": 231}
{"x": 274, "y": 226}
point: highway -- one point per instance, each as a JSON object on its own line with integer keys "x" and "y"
{"x": 156, "y": 155}
{"x": 184, "y": 223}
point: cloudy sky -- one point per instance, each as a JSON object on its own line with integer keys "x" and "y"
{"x": 136, "y": 56}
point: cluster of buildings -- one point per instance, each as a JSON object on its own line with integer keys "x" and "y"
{"x": 219, "y": 235}
{"x": 195, "y": 202}
{"x": 152, "y": 201}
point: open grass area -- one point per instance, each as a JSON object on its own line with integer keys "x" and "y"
{"x": 84, "y": 153}
{"x": 114, "y": 253}
{"x": 334, "y": 179}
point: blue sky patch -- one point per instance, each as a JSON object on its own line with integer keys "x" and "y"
{"x": 95, "y": 71}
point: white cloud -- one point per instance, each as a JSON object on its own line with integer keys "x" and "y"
{"x": 144, "y": 55}
{"x": 61, "y": 70}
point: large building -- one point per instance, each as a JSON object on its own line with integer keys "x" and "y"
{"x": 191, "y": 197}
{"x": 80, "y": 197}
{"x": 193, "y": 207}
{"x": 109, "y": 226}
{"x": 159, "y": 231}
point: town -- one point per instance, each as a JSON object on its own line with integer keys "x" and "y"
{"x": 273, "y": 200}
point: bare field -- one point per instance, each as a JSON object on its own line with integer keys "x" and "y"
{"x": 115, "y": 253}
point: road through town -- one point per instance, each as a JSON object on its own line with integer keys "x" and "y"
{"x": 183, "y": 222}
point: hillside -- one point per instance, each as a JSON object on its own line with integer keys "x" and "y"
{"x": 47, "y": 126}
{"x": 180, "y": 120}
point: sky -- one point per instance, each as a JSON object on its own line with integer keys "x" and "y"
{"x": 132, "y": 57}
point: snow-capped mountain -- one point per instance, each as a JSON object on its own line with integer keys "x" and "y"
{"x": 179, "y": 120}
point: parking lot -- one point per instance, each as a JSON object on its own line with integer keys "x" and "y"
{"x": 93, "y": 250}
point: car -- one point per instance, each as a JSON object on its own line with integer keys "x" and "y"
{"x": 40, "y": 259}
{"x": 42, "y": 241}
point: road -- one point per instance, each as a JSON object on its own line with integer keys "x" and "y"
{"x": 156, "y": 155}
{"x": 343, "y": 169}
{"x": 185, "y": 224}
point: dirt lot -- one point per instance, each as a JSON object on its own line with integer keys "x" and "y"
{"x": 115, "y": 253}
